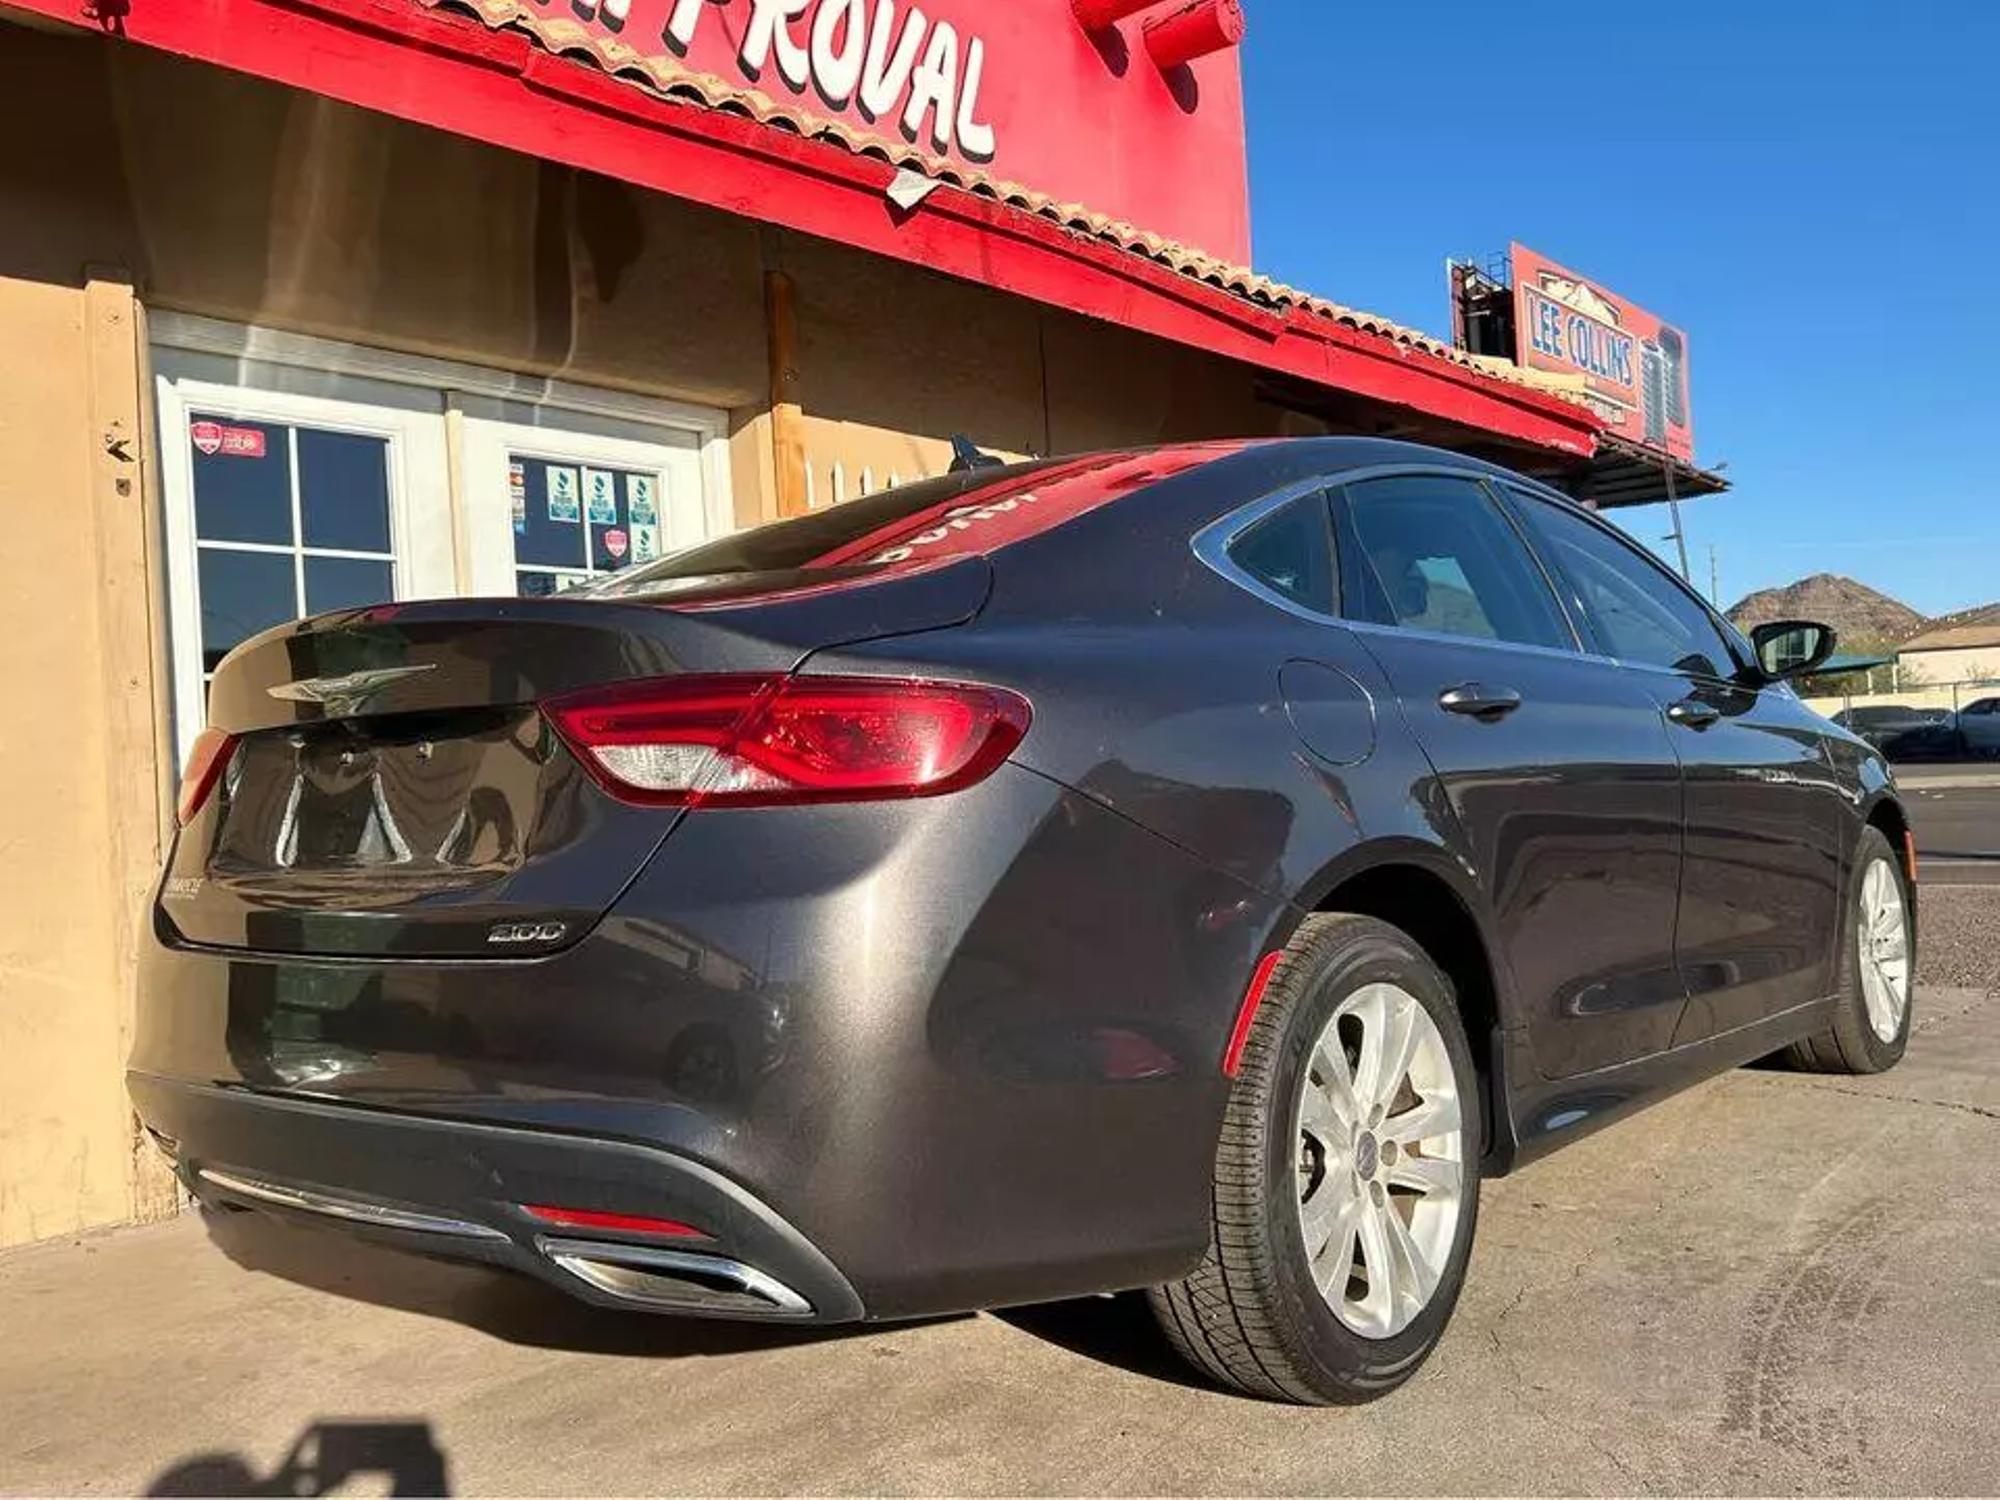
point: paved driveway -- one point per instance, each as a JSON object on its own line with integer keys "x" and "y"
{"x": 1770, "y": 1283}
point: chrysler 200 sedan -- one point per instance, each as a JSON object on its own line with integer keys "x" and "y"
{"x": 1191, "y": 869}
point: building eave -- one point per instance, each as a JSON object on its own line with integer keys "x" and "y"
{"x": 454, "y": 73}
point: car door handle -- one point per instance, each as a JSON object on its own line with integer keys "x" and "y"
{"x": 1693, "y": 713}
{"x": 1478, "y": 701}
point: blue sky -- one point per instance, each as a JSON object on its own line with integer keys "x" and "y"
{"x": 1812, "y": 191}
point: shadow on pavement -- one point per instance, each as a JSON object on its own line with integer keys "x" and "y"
{"x": 327, "y": 1457}
{"x": 1117, "y": 1331}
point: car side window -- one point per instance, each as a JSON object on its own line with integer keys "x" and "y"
{"x": 1290, "y": 552}
{"x": 1431, "y": 552}
{"x": 1639, "y": 612}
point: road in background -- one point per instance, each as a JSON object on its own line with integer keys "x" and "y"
{"x": 1955, "y": 811}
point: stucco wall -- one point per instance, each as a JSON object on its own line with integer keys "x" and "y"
{"x": 892, "y": 362}
{"x": 265, "y": 205}
{"x": 1960, "y": 664}
{"x": 79, "y": 732}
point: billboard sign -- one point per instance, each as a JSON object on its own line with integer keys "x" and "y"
{"x": 1634, "y": 367}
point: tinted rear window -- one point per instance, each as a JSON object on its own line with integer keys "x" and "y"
{"x": 915, "y": 524}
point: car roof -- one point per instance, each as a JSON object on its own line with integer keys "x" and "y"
{"x": 987, "y": 510}
{"x": 1343, "y": 452}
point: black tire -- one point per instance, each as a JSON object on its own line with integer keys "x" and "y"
{"x": 1849, "y": 1044}
{"x": 1250, "y": 1315}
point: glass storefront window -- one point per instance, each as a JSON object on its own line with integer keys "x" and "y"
{"x": 575, "y": 520}
{"x": 289, "y": 520}
{"x": 301, "y": 475}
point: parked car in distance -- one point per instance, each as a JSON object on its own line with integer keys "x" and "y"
{"x": 1979, "y": 728}
{"x": 1191, "y": 869}
{"x": 1904, "y": 733}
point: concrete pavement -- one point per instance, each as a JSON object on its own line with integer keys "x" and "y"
{"x": 1770, "y": 1283}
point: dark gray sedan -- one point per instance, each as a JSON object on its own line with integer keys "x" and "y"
{"x": 1191, "y": 869}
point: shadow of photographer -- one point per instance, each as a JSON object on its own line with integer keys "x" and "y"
{"x": 328, "y": 1456}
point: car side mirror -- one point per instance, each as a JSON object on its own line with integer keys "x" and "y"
{"x": 1791, "y": 648}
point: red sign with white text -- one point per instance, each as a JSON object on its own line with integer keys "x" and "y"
{"x": 1635, "y": 367}
{"x": 1019, "y": 91}
{"x": 231, "y": 442}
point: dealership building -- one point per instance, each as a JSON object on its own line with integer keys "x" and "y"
{"x": 314, "y": 303}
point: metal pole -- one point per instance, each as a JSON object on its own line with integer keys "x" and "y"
{"x": 1674, "y": 504}
{"x": 1714, "y": 579}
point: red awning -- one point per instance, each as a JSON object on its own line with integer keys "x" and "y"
{"x": 453, "y": 72}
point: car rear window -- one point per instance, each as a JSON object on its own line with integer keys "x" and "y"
{"x": 954, "y": 515}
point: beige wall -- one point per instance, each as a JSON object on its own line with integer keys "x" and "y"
{"x": 78, "y": 734}
{"x": 1962, "y": 664}
{"x": 239, "y": 200}
{"x": 892, "y": 362}
{"x": 265, "y": 205}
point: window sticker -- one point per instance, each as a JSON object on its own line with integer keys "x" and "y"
{"x": 563, "y": 504}
{"x": 615, "y": 542}
{"x": 639, "y": 490}
{"x": 517, "y": 494}
{"x": 600, "y": 497}
{"x": 231, "y": 442}
{"x": 645, "y": 539}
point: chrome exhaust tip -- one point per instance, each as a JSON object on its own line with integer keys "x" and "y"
{"x": 675, "y": 1280}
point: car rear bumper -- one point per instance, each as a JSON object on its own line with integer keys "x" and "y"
{"x": 966, "y": 1049}
{"x": 460, "y": 1189}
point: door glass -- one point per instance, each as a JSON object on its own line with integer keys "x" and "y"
{"x": 1638, "y": 612}
{"x": 289, "y": 520}
{"x": 344, "y": 491}
{"x": 573, "y": 521}
{"x": 241, "y": 594}
{"x": 242, "y": 481}
{"x": 346, "y": 583}
{"x": 1429, "y": 552}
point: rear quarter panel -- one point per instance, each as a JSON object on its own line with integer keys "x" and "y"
{"x": 1156, "y": 686}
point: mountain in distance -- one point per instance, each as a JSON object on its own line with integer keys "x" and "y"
{"x": 1855, "y": 611}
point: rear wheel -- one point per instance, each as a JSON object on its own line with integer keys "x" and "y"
{"x": 1347, "y": 1181}
{"x": 1871, "y": 1019}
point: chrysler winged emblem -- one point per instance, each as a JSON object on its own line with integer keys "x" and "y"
{"x": 346, "y": 693}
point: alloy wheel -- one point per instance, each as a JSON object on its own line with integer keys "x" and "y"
{"x": 1882, "y": 935}
{"x": 1380, "y": 1160}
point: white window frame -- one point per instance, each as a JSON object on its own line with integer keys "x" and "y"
{"x": 420, "y": 559}
{"x": 430, "y": 560}
{"x": 484, "y": 452}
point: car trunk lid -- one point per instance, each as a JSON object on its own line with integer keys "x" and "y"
{"x": 393, "y": 789}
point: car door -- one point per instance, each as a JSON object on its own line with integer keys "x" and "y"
{"x": 1556, "y": 764}
{"x": 1761, "y": 871}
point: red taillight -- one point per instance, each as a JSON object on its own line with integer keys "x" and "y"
{"x": 742, "y": 741}
{"x": 595, "y": 1218}
{"x": 205, "y": 765}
